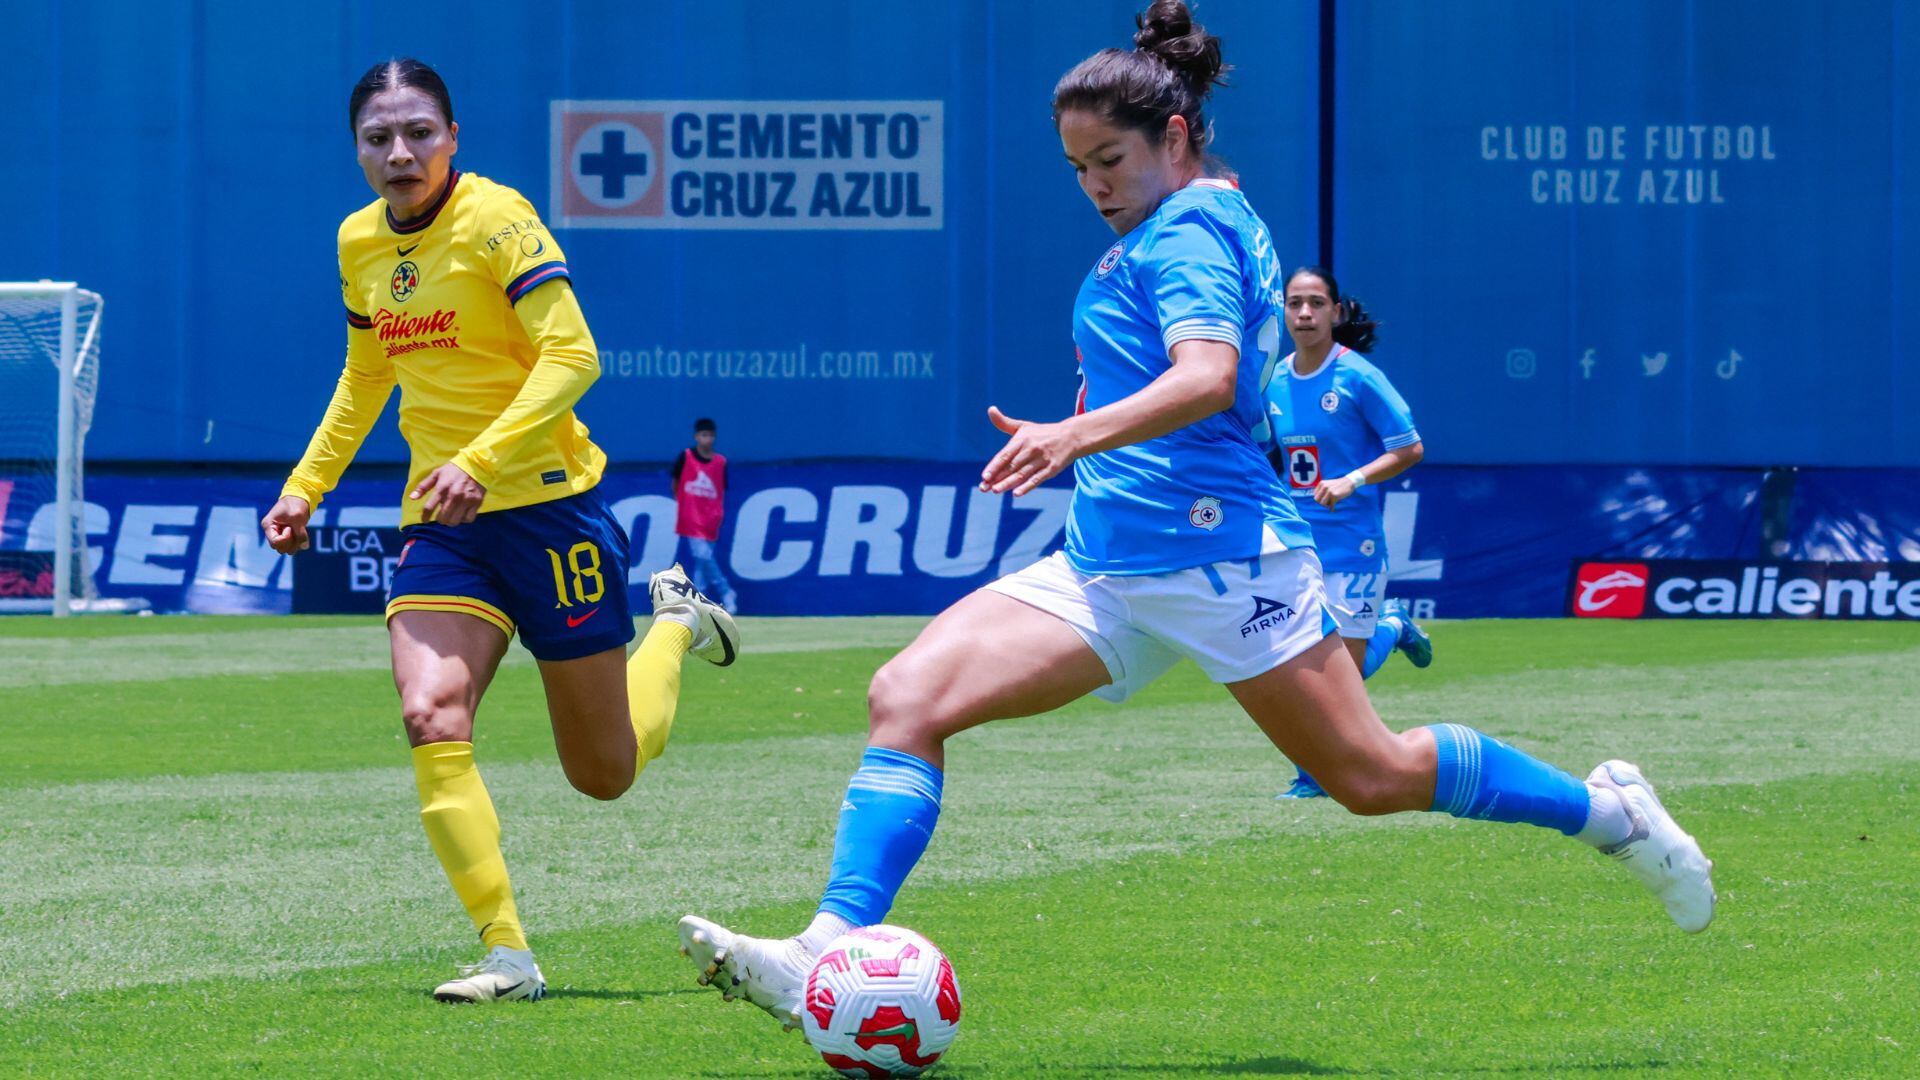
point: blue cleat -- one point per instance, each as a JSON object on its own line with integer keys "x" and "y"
{"x": 1304, "y": 787}
{"x": 1413, "y": 640}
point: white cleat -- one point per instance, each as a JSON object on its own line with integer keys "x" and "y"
{"x": 1658, "y": 851}
{"x": 716, "y": 637}
{"x": 504, "y": 975}
{"x": 769, "y": 972}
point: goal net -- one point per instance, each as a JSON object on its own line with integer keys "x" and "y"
{"x": 49, "y": 370}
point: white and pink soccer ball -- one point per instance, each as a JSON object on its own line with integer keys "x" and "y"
{"x": 881, "y": 1002}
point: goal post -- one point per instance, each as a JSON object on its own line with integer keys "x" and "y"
{"x": 49, "y": 372}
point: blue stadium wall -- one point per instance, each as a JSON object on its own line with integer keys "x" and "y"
{"x": 1645, "y": 232}
{"x": 1625, "y": 255}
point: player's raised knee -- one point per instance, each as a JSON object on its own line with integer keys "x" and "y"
{"x": 603, "y": 780}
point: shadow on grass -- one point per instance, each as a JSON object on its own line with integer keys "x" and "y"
{"x": 561, "y": 993}
{"x": 1271, "y": 1066}
{"x": 1266, "y": 1066}
{"x": 616, "y": 995}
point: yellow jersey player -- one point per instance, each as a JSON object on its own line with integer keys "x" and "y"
{"x": 456, "y": 291}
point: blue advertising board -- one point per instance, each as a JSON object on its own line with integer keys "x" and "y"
{"x": 890, "y": 537}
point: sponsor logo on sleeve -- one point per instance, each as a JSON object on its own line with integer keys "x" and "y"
{"x": 748, "y": 164}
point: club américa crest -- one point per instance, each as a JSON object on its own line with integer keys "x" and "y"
{"x": 406, "y": 278}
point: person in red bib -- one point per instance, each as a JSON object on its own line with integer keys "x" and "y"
{"x": 700, "y": 492}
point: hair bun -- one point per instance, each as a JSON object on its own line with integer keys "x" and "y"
{"x": 1167, "y": 30}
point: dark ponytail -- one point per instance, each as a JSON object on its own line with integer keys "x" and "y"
{"x": 392, "y": 75}
{"x": 1171, "y": 69}
{"x": 1356, "y": 327}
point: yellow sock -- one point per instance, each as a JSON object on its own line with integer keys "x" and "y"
{"x": 653, "y": 686}
{"x": 466, "y": 836}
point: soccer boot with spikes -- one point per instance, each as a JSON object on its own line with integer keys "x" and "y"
{"x": 1658, "y": 852}
{"x": 716, "y": 637}
{"x": 769, "y": 972}
{"x": 503, "y": 975}
{"x": 1412, "y": 641}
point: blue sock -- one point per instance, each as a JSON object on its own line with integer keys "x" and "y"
{"x": 1386, "y": 634}
{"x": 892, "y": 805}
{"x": 1481, "y": 777}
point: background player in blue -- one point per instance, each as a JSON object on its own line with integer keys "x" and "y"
{"x": 1339, "y": 428}
{"x": 1181, "y": 543}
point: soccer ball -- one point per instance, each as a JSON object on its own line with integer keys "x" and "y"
{"x": 881, "y": 1001}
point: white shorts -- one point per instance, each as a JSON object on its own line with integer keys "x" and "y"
{"x": 1235, "y": 619}
{"x": 1355, "y": 600}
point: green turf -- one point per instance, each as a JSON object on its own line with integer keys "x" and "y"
{"x": 209, "y": 864}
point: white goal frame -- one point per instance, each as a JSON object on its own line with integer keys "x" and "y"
{"x": 72, "y": 351}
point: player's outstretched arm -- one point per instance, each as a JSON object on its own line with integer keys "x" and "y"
{"x": 1199, "y": 384}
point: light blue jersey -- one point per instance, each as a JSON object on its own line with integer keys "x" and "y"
{"x": 1199, "y": 267}
{"x": 1328, "y": 424}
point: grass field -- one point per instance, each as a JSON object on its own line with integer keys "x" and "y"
{"x": 211, "y": 864}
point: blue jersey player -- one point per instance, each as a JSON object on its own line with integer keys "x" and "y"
{"x": 1181, "y": 543}
{"x": 1339, "y": 429}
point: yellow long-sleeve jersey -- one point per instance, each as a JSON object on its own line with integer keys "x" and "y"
{"x": 470, "y": 309}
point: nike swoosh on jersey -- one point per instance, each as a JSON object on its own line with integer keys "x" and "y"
{"x": 406, "y": 251}
{"x": 573, "y": 622}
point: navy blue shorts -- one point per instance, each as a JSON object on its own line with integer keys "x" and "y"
{"x": 555, "y": 571}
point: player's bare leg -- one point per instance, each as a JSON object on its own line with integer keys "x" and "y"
{"x": 592, "y": 725}
{"x": 1315, "y": 709}
{"x": 612, "y": 714}
{"x": 1356, "y": 648}
{"x": 442, "y": 665}
{"x": 988, "y": 657}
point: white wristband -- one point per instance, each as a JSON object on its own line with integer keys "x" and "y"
{"x": 1357, "y": 478}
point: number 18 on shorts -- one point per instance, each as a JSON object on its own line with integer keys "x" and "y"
{"x": 555, "y": 572}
